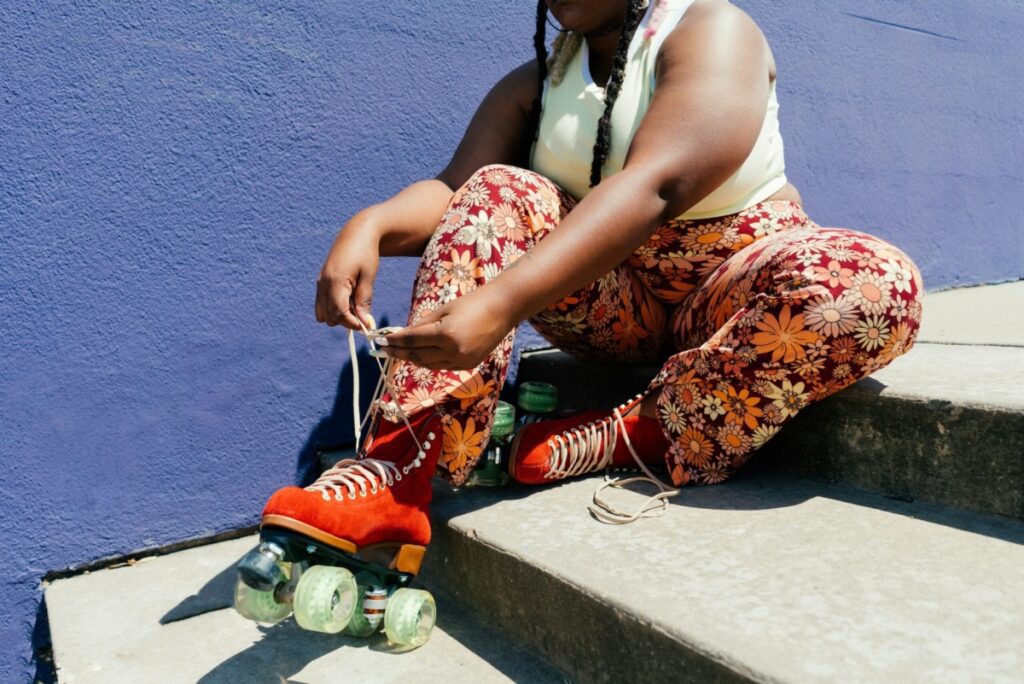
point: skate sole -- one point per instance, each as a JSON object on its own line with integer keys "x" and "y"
{"x": 406, "y": 558}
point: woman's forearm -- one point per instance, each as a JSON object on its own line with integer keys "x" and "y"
{"x": 406, "y": 221}
{"x": 600, "y": 232}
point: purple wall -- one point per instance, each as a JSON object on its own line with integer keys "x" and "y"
{"x": 172, "y": 174}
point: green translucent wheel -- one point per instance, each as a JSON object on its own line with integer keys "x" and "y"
{"x": 259, "y": 606}
{"x": 325, "y": 599}
{"x": 410, "y": 616}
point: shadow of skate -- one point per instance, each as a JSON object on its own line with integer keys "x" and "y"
{"x": 284, "y": 650}
{"x": 216, "y": 594}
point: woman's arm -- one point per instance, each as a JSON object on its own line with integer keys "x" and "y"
{"x": 702, "y": 123}
{"x": 403, "y": 223}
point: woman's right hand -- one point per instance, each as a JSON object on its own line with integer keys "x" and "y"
{"x": 344, "y": 290}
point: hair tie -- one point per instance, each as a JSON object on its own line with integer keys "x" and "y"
{"x": 656, "y": 16}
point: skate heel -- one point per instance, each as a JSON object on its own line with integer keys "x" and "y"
{"x": 404, "y": 558}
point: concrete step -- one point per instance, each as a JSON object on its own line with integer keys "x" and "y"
{"x": 167, "y": 619}
{"x": 763, "y": 578}
{"x": 945, "y": 423}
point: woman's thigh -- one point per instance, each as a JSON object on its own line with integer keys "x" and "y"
{"x": 496, "y": 216}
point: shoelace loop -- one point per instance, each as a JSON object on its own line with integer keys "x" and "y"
{"x": 654, "y": 506}
{"x": 353, "y": 473}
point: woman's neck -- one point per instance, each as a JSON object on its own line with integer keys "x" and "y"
{"x": 601, "y": 49}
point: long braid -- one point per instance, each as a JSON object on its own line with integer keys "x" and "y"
{"x": 604, "y": 127}
{"x": 542, "y": 66}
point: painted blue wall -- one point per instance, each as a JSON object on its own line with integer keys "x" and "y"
{"x": 171, "y": 175}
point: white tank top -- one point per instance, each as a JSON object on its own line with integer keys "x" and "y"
{"x": 571, "y": 110}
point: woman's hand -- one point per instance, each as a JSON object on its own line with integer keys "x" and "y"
{"x": 456, "y": 336}
{"x": 344, "y": 289}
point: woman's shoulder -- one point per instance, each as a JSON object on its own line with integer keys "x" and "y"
{"x": 709, "y": 23}
{"x": 520, "y": 85}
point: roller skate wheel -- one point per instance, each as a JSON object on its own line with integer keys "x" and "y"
{"x": 259, "y": 606}
{"x": 410, "y": 616}
{"x": 325, "y": 599}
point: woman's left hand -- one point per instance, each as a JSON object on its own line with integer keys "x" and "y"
{"x": 457, "y": 336}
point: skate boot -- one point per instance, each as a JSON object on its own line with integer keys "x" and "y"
{"x": 342, "y": 551}
{"x": 550, "y": 450}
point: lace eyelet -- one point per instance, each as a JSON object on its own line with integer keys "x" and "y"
{"x": 430, "y": 435}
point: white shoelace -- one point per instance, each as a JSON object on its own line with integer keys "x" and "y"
{"x": 590, "y": 447}
{"x": 350, "y": 473}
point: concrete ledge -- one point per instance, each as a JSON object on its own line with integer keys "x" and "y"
{"x": 945, "y": 423}
{"x": 764, "y": 578}
{"x": 168, "y": 619}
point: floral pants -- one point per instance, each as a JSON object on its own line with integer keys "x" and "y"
{"x": 753, "y": 316}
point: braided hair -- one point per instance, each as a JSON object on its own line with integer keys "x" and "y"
{"x": 563, "y": 48}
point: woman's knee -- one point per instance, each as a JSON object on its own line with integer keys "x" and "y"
{"x": 499, "y": 172}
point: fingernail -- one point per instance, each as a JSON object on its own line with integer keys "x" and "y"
{"x": 379, "y": 353}
{"x": 381, "y": 341}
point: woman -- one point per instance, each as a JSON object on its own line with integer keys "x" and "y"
{"x": 627, "y": 195}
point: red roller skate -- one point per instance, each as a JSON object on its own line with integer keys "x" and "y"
{"x": 550, "y": 450}
{"x": 341, "y": 552}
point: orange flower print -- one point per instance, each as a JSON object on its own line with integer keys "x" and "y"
{"x": 482, "y": 232}
{"x": 740, "y": 407}
{"x": 871, "y": 293}
{"x": 462, "y": 445}
{"x": 733, "y": 440}
{"x": 831, "y": 317}
{"x": 895, "y": 273}
{"x": 872, "y": 332}
{"x": 680, "y": 476}
{"x": 763, "y": 312}
{"x": 509, "y": 223}
{"x": 421, "y": 398}
{"x": 762, "y": 434}
{"x": 696, "y": 447}
{"x": 628, "y": 332}
{"x": 900, "y": 342}
{"x": 714, "y": 473}
{"x": 461, "y": 271}
{"x": 672, "y": 417}
{"x": 843, "y": 349}
{"x": 785, "y": 337}
{"x": 712, "y": 406}
{"x": 834, "y": 274}
{"x": 707, "y": 237}
{"x": 789, "y": 397}
{"x": 470, "y": 386}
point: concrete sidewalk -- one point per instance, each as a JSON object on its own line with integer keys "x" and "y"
{"x": 168, "y": 619}
{"x": 982, "y": 315}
